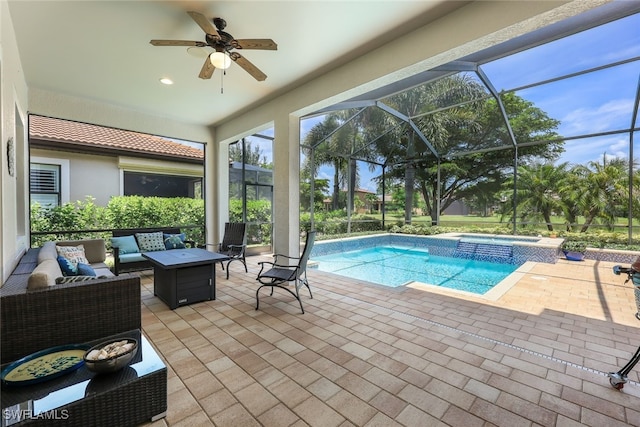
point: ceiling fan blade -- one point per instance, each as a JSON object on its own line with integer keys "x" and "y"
{"x": 248, "y": 66}
{"x": 207, "y": 69}
{"x": 204, "y": 23}
{"x": 177, "y": 43}
{"x": 262, "y": 44}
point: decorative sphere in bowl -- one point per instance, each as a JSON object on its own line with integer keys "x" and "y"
{"x": 111, "y": 356}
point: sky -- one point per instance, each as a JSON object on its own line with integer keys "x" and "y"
{"x": 600, "y": 101}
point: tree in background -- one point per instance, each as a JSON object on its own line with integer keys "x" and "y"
{"x": 538, "y": 186}
{"x": 253, "y": 155}
{"x": 602, "y": 188}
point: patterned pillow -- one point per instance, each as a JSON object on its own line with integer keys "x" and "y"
{"x": 75, "y": 254}
{"x": 68, "y": 268}
{"x": 174, "y": 241}
{"x": 71, "y": 279}
{"x": 149, "y": 242}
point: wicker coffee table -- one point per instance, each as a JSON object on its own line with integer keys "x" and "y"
{"x": 129, "y": 397}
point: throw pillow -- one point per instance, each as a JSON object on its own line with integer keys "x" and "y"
{"x": 75, "y": 254}
{"x": 86, "y": 270}
{"x": 126, "y": 244}
{"x": 174, "y": 241}
{"x": 68, "y": 268}
{"x": 72, "y": 279}
{"x": 149, "y": 242}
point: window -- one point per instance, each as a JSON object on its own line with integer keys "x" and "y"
{"x": 149, "y": 184}
{"x": 251, "y": 186}
{"x": 45, "y": 185}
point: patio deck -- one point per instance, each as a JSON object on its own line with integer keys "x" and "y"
{"x": 367, "y": 355}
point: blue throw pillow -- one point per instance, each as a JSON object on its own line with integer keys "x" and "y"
{"x": 85, "y": 270}
{"x": 126, "y": 244}
{"x": 174, "y": 241}
{"x": 68, "y": 268}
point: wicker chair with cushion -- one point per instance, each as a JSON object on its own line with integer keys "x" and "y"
{"x": 279, "y": 273}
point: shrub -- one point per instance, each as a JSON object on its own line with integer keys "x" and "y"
{"x": 120, "y": 212}
{"x": 579, "y": 246}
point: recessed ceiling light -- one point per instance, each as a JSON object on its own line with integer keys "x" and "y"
{"x": 166, "y": 81}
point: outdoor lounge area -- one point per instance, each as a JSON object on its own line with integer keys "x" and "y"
{"x": 366, "y": 355}
{"x": 375, "y": 116}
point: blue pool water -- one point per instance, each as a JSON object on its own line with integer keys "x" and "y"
{"x": 395, "y": 266}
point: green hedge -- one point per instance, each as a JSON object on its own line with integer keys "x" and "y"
{"x": 258, "y": 218}
{"x": 120, "y": 212}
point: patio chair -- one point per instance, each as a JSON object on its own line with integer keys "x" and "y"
{"x": 279, "y": 273}
{"x": 234, "y": 243}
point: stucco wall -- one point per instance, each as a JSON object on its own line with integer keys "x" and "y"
{"x": 13, "y": 94}
{"x": 101, "y": 176}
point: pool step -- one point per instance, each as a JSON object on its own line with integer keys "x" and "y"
{"x": 484, "y": 252}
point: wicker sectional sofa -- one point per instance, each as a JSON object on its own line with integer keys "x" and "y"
{"x": 65, "y": 313}
{"x": 72, "y": 313}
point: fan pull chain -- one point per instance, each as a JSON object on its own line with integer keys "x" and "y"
{"x": 222, "y": 81}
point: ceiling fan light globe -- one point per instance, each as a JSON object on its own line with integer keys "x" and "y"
{"x": 220, "y": 60}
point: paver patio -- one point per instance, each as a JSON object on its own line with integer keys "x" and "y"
{"x": 367, "y": 355}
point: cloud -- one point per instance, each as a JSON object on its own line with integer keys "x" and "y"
{"x": 582, "y": 151}
{"x": 607, "y": 116}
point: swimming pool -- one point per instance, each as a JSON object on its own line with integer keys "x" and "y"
{"x": 396, "y": 266}
{"x": 515, "y": 250}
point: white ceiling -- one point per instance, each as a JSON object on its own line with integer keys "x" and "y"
{"x": 100, "y": 49}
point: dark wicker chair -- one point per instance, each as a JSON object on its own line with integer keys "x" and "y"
{"x": 280, "y": 273}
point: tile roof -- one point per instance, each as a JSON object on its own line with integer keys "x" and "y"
{"x": 66, "y": 131}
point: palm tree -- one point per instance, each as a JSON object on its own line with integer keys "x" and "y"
{"x": 340, "y": 140}
{"x": 602, "y": 188}
{"x": 415, "y": 103}
{"x": 537, "y": 190}
{"x": 569, "y": 192}
{"x": 324, "y": 152}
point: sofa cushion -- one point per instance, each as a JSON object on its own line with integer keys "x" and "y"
{"x": 68, "y": 268}
{"x": 44, "y": 275}
{"x": 94, "y": 249}
{"x": 174, "y": 241}
{"x": 150, "y": 242}
{"x": 132, "y": 258}
{"x": 75, "y": 254}
{"x": 103, "y": 271}
{"x": 85, "y": 270}
{"x": 47, "y": 251}
{"x": 126, "y": 244}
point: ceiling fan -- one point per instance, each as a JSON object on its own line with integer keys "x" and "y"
{"x": 224, "y": 44}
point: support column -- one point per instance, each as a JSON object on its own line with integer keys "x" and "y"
{"x": 286, "y": 185}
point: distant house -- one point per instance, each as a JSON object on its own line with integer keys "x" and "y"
{"x": 71, "y": 160}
